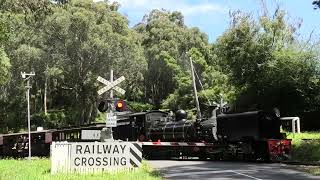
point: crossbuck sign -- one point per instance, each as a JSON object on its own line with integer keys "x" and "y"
{"x": 111, "y": 85}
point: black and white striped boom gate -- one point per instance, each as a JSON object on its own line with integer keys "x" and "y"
{"x": 94, "y": 156}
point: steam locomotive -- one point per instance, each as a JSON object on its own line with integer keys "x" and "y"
{"x": 251, "y": 135}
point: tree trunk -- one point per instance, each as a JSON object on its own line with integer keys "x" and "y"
{"x": 45, "y": 96}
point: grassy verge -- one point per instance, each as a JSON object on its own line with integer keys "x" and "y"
{"x": 306, "y": 151}
{"x": 304, "y": 135}
{"x": 12, "y": 169}
{"x": 315, "y": 170}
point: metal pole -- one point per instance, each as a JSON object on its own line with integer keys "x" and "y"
{"x": 29, "y": 130}
{"x": 111, "y": 97}
{"x": 195, "y": 90}
{"x": 111, "y": 80}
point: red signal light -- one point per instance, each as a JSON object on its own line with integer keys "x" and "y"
{"x": 120, "y": 105}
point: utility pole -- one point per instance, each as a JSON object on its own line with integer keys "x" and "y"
{"x": 195, "y": 90}
{"x": 27, "y": 77}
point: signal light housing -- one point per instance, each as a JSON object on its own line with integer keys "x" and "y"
{"x": 102, "y": 107}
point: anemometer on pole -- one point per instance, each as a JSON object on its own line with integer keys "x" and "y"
{"x": 27, "y": 76}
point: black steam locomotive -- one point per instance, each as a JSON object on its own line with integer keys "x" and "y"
{"x": 248, "y": 135}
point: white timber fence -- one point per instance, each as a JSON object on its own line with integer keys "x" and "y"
{"x": 92, "y": 157}
{"x": 295, "y": 123}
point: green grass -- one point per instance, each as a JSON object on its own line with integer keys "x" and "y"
{"x": 39, "y": 169}
{"x": 304, "y": 135}
{"x": 313, "y": 170}
{"x": 306, "y": 150}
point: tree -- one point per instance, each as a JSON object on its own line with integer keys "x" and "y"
{"x": 67, "y": 45}
{"x": 316, "y": 4}
{"x": 268, "y": 65}
{"x": 4, "y": 67}
{"x": 87, "y": 39}
{"x": 4, "y": 60}
{"x": 166, "y": 40}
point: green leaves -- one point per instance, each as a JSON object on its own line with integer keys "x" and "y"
{"x": 267, "y": 64}
{"x": 254, "y": 64}
{"x": 4, "y": 67}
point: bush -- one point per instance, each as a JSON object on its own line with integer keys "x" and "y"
{"x": 139, "y": 107}
{"x": 53, "y": 119}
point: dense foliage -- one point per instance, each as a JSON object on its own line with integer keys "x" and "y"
{"x": 254, "y": 64}
{"x": 268, "y": 65}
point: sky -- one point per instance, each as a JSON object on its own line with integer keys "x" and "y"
{"x": 212, "y": 16}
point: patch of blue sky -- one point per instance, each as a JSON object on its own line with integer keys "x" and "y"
{"x": 212, "y": 16}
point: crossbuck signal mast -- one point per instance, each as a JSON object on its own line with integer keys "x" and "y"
{"x": 111, "y": 120}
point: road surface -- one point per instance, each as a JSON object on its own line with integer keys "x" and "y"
{"x": 194, "y": 169}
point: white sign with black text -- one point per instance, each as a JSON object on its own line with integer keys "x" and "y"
{"x": 111, "y": 120}
{"x": 94, "y": 156}
{"x": 90, "y": 134}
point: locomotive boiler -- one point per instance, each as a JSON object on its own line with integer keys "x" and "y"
{"x": 178, "y": 129}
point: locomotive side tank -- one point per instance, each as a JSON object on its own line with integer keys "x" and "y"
{"x": 249, "y": 125}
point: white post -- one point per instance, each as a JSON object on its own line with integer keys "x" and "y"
{"x": 298, "y": 125}
{"x": 293, "y": 124}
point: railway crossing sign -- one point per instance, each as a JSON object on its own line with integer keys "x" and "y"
{"x": 111, "y": 85}
{"x": 94, "y": 157}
